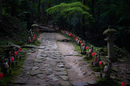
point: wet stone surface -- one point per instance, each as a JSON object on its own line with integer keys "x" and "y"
{"x": 45, "y": 67}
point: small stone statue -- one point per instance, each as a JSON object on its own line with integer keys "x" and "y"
{"x": 107, "y": 69}
{"x": 90, "y": 53}
{"x": 5, "y": 66}
{"x": 83, "y": 48}
{"x": 29, "y": 40}
{"x": 78, "y": 42}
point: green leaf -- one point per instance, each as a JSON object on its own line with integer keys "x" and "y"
{"x": 42, "y": 1}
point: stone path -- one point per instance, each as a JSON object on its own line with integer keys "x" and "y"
{"x": 45, "y": 67}
{"x": 54, "y": 63}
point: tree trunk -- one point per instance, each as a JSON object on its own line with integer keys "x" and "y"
{"x": 92, "y": 7}
{"x": 98, "y": 13}
{"x": 82, "y": 22}
{"x": 39, "y": 11}
{"x": 0, "y": 10}
{"x": 48, "y": 5}
{"x": 42, "y": 13}
{"x": 31, "y": 15}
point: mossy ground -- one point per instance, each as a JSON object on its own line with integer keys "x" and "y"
{"x": 15, "y": 70}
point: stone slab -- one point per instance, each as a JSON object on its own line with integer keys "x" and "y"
{"x": 35, "y": 72}
{"x": 61, "y": 73}
{"x": 41, "y": 76}
{"x": 79, "y": 83}
{"x": 35, "y": 68}
{"x": 21, "y": 81}
{"x": 64, "y": 83}
{"x": 59, "y": 69}
{"x": 92, "y": 82}
{"x": 65, "y": 78}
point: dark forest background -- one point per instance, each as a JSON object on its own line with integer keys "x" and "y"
{"x": 17, "y": 16}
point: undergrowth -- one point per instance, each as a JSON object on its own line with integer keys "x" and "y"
{"x": 8, "y": 80}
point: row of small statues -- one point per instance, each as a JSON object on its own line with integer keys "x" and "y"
{"x": 96, "y": 59}
{"x": 8, "y": 62}
{"x": 90, "y": 54}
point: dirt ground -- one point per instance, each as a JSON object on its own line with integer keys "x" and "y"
{"x": 78, "y": 70}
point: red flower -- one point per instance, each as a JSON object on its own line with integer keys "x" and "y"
{"x": 87, "y": 47}
{"x": 12, "y": 59}
{"x": 1, "y": 75}
{"x": 81, "y": 41}
{"x": 15, "y": 53}
{"x": 122, "y": 84}
{"x": 30, "y": 40}
{"x": 93, "y": 54}
{"x": 73, "y": 36}
{"x": 69, "y": 34}
{"x": 57, "y": 28}
{"x": 81, "y": 44}
{"x": 100, "y": 63}
{"x": 19, "y": 49}
{"x": 33, "y": 37}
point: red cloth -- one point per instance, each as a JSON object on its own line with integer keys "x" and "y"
{"x": 122, "y": 84}
{"x": 12, "y": 59}
{"x": 100, "y": 63}
{"x": 15, "y": 53}
{"x": 96, "y": 59}
{"x": 19, "y": 49}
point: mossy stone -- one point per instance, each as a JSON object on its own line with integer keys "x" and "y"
{"x": 34, "y": 25}
{"x": 110, "y": 31}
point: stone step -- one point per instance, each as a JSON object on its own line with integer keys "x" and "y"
{"x": 80, "y": 84}
{"x": 89, "y": 83}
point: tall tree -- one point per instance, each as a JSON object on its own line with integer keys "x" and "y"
{"x": 42, "y": 1}
{"x": 82, "y": 21}
{"x": 92, "y": 7}
{"x": 65, "y": 10}
{"x": 39, "y": 4}
{"x": 42, "y": 13}
{"x": 48, "y": 5}
{"x": 0, "y": 10}
{"x": 32, "y": 12}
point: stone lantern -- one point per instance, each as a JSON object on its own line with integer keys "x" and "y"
{"x": 110, "y": 43}
{"x": 35, "y": 28}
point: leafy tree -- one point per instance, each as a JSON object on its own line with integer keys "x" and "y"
{"x": 66, "y": 10}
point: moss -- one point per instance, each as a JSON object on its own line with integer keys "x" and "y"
{"x": 34, "y": 25}
{"x": 16, "y": 69}
{"x": 37, "y": 42}
{"x": 110, "y": 31}
{"x": 107, "y": 82}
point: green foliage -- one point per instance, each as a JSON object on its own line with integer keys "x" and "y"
{"x": 64, "y": 9}
{"x": 37, "y": 42}
{"x": 43, "y": 1}
{"x": 107, "y": 82}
